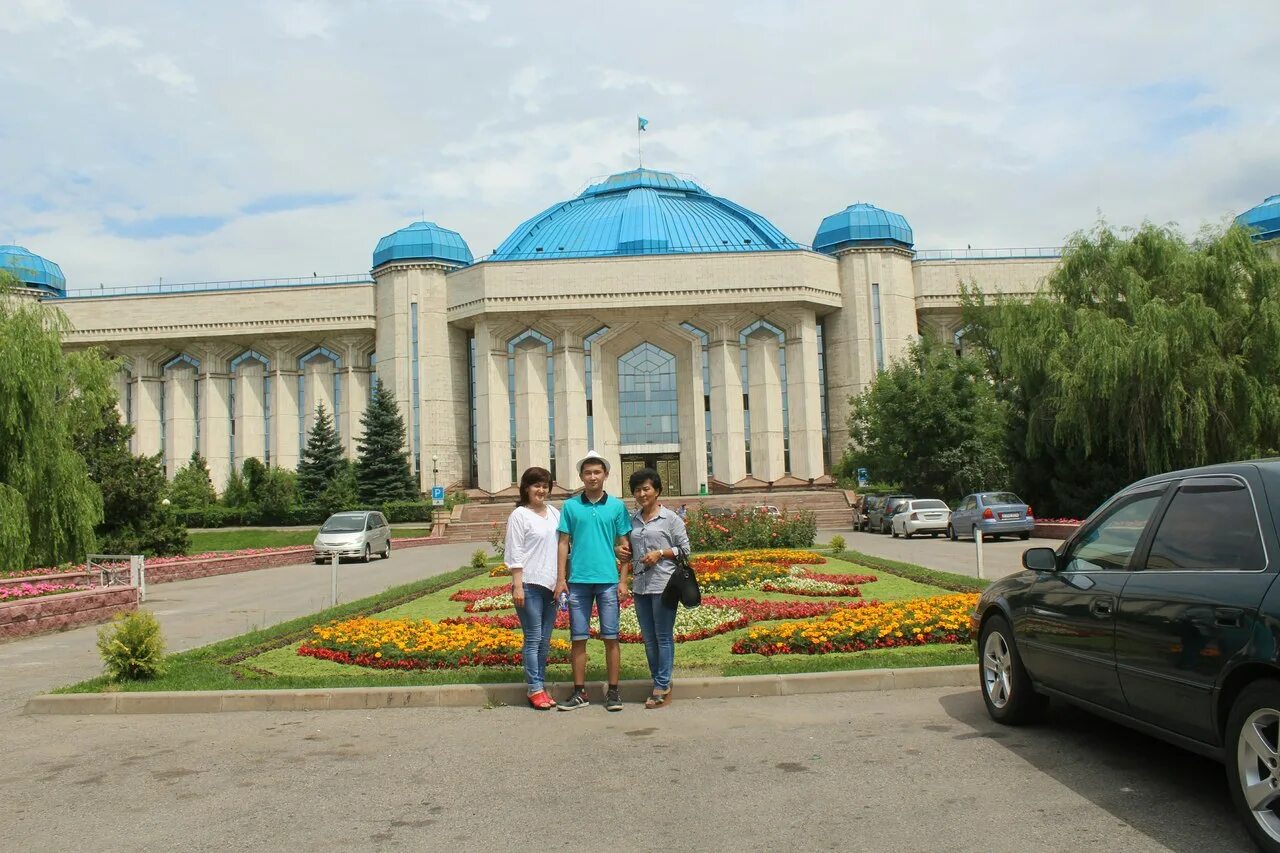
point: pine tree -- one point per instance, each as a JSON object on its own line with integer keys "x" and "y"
{"x": 382, "y": 469}
{"x": 343, "y": 492}
{"x": 255, "y": 474}
{"x": 235, "y": 493}
{"x": 321, "y": 459}
{"x": 192, "y": 487}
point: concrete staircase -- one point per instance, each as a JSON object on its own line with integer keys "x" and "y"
{"x": 475, "y": 522}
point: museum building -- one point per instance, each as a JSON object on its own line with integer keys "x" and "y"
{"x": 644, "y": 318}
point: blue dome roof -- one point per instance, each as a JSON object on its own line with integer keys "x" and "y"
{"x": 422, "y": 241}
{"x": 1263, "y": 219}
{"x": 31, "y": 269}
{"x": 641, "y": 212}
{"x": 863, "y": 224}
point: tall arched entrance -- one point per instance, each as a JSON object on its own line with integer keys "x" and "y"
{"x": 648, "y": 415}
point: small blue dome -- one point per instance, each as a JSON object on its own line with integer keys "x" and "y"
{"x": 1263, "y": 220}
{"x": 32, "y": 270}
{"x": 422, "y": 241}
{"x": 641, "y": 212}
{"x": 863, "y": 224}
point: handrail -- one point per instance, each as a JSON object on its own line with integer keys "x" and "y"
{"x": 988, "y": 254}
{"x": 236, "y": 284}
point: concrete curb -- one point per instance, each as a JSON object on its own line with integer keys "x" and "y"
{"x": 479, "y": 695}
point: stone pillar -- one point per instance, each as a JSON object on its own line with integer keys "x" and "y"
{"x": 493, "y": 435}
{"x": 690, "y": 411}
{"x": 765, "y": 398}
{"x": 804, "y": 401}
{"x": 571, "y": 407}
{"x": 355, "y": 398}
{"x": 148, "y": 391}
{"x": 250, "y": 411}
{"x": 215, "y": 421}
{"x": 179, "y": 416}
{"x": 605, "y": 413}
{"x": 284, "y": 415}
{"x": 533, "y": 435}
{"x": 318, "y": 376}
{"x": 728, "y": 444}
{"x": 120, "y": 384}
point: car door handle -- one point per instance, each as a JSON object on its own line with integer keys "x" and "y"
{"x": 1228, "y": 617}
{"x": 1103, "y": 607}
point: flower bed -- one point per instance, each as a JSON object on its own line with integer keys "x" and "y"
{"x": 915, "y": 622}
{"x": 422, "y": 644}
{"x": 35, "y": 590}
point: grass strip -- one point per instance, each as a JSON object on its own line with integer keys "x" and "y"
{"x": 946, "y": 580}
{"x": 235, "y": 540}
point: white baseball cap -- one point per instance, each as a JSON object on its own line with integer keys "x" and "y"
{"x": 592, "y": 456}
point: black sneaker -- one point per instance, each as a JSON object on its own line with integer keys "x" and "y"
{"x": 578, "y": 699}
{"x": 613, "y": 700}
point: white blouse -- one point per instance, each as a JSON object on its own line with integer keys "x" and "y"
{"x": 531, "y": 545}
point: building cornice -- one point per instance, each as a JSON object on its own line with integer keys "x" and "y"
{"x": 298, "y": 324}
{"x": 396, "y": 266}
{"x": 649, "y": 298}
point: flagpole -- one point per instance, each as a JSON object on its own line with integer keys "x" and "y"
{"x": 639, "y": 150}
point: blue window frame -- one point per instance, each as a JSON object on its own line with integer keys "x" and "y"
{"x": 647, "y": 393}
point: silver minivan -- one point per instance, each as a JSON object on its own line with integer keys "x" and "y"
{"x": 359, "y": 534}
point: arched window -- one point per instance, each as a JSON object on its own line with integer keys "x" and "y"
{"x": 252, "y": 355}
{"x": 647, "y": 397}
{"x": 306, "y": 407}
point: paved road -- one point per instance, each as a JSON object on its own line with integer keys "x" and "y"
{"x": 920, "y": 770}
{"x": 194, "y": 613}
{"x": 999, "y": 558}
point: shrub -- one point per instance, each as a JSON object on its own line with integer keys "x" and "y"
{"x": 479, "y": 559}
{"x": 837, "y": 545}
{"x": 399, "y": 512}
{"x": 749, "y": 528}
{"x": 131, "y": 647}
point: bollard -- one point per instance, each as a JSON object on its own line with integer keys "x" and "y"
{"x": 333, "y": 586}
{"x": 977, "y": 541}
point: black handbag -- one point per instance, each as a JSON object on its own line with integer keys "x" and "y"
{"x": 682, "y": 587}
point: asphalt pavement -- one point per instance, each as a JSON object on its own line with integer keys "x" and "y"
{"x": 999, "y": 558}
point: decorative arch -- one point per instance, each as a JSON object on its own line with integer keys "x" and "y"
{"x": 304, "y": 408}
{"x": 648, "y": 411}
{"x": 530, "y": 336}
{"x": 754, "y": 329}
{"x": 251, "y": 355}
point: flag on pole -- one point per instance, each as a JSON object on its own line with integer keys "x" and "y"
{"x": 641, "y": 124}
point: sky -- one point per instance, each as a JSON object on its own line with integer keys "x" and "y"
{"x": 191, "y": 141}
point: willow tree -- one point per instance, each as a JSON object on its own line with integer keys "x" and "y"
{"x": 48, "y": 504}
{"x": 1145, "y": 353}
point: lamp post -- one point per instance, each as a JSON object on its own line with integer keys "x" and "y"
{"x": 435, "y": 470}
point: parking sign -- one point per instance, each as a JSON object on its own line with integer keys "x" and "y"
{"x": 863, "y": 477}
{"x": 437, "y": 495}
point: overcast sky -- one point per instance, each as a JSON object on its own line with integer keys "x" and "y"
{"x": 205, "y": 141}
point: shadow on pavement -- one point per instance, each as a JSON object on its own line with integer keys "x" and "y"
{"x": 1176, "y": 798}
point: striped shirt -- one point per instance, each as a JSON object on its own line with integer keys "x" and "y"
{"x": 664, "y": 530}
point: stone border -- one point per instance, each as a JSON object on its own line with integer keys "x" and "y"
{"x": 297, "y": 555}
{"x": 1045, "y": 530}
{"x": 42, "y": 614}
{"x": 480, "y": 695}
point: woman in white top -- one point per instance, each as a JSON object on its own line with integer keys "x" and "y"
{"x": 531, "y": 556}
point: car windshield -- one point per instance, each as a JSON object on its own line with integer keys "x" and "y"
{"x": 343, "y": 524}
{"x": 928, "y": 505}
{"x": 1001, "y": 498}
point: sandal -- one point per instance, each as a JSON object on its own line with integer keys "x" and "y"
{"x": 541, "y": 701}
{"x": 659, "y": 699}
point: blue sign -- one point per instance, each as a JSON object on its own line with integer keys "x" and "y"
{"x": 863, "y": 477}
{"x": 437, "y": 495}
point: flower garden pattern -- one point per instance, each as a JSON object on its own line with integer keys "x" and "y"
{"x": 421, "y": 644}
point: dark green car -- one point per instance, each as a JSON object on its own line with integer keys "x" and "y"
{"x": 1159, "y": 612}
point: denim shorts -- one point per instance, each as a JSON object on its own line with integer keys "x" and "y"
{"x": 581, "y": 597}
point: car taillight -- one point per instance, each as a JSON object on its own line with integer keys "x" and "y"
{"x": 987, "y": 513}
{"x": 1030, "y": 514}
{"x": 915, "y": 516}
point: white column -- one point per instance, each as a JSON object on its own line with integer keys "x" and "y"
{"x": 571, "y": 407}
{"x": 120, "y": 383}
{"x": 493, "y": 436}
{"x": 605, "y": 412}
{"x": 284, "y": 416}
{"x": 533, "y": 437}
{"x": 215, "y": 423}
{"x": 147, "y": 394}
{"x": 355, "y": 399}
{"x": 728, "y": 444}
{"x": 318, "y": 379}
{"x": 767, "y": 450}
{"x": 693, "y": 444}
{"x": 250, "y": 411}
{"x": 804, "y": 402}
{"x": 179, "y": 416}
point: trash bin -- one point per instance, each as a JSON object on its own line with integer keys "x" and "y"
{"x": 702, "y": 489}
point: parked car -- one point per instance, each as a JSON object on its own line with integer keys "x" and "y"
{"x": 353, "y": 534}
{"x": 921, "y": 515}
{"x": 996, "y": 514}
{"x": 878, "y": 518}
{"x": 862, "y": 518}
{"x": 768, "y": 509}
{"x": 1160, "y": 612}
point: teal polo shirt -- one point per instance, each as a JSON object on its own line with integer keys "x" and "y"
{"x": 594, "y": 527}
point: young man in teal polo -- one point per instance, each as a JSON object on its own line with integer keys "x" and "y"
{"x": 595, "y": 523}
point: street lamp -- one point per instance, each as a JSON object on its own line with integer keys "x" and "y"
{"x": 435, "y": 470}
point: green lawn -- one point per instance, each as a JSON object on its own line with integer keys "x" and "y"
{"x": 234, "y": 540}
{"x": 269, "y": 659}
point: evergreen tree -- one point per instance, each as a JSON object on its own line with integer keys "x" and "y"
{"x": 192, "y": 488}
{"x": 277, "y": 496}
{"x": 235, "y": 494}
{"x": 382, "y": 468}
{"x": 254, "y": 473}
{"x": 932, "y": 423}
{"x": 135, "y": 521}
{"x": 1146, "y": 353}
{"x": 321, "y": 459}
{"x": 48, "y": 505}
{"x": 343, "y": 492}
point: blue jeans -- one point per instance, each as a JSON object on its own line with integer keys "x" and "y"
{"x": 537, "y": 619}
{"x": 581, "y": 597}
{"x": 658, "y": 627}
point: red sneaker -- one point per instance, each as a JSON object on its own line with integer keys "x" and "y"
{"x": 541, "y": 701}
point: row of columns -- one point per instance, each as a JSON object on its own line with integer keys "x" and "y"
{"x": 728, "y": 433}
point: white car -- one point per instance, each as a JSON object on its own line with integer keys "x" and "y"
{"x": 921, "y": 515}
{"x": 768, "y": 509}
{"x": 358, "y": 535}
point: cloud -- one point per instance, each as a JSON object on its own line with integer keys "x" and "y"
{"x": 165, "y": 70}
{"x": 304, "y": 19}
{"x": 164, "y": 226}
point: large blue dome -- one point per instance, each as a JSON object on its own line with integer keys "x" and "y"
{"x": 863, "y": 224}
{"x": 422, "y": 241}
{"x": 1263, "y": 220}
{"x": 32, "y": 270}
{"x": 641, "y": 212}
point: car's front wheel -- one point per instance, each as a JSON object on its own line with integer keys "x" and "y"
{"x": 386, "y": 552}
{"x": 951, "y": 534}
{"x": 1024, "y": 536}
{"x": 1006, "y": 687}
{"x": 368, "y": 553}
{"x": 1253, "y": 760}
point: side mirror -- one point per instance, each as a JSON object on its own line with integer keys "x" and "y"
{"x": 1040, "y": 559}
